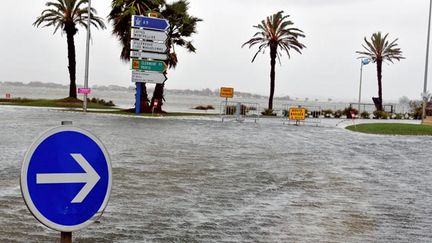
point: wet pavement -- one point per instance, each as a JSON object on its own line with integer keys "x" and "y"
{"x": 197, "y": 179}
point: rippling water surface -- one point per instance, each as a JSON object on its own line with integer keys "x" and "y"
{"x": 201, "y": 180}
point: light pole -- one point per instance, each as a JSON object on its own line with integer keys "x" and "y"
{"x": 363, "y": 62}
{"x": 87, "y": 56}
{"x": 426, "y": 63}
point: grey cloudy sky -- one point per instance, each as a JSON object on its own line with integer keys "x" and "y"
{"x": 328, "y": 68}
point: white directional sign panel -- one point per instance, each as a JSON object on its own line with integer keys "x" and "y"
{"x": 141, "y": 45}
{"x": 66, "y": 178}
{"x": 152, "y": 35}
{"x": 148, "y": 77}
{"x": 148, "y": 55}
{"x": 149, "y": 23}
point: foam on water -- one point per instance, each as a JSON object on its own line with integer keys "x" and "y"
{"x": 201, "y": 180}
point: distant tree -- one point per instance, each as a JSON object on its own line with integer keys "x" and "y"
{"x": 120, "y": 16}
{"x": 66, "y": 15}
{"x": 379, "y": 50}
{"x": 404, "y": 102}
{"x": 182, "y": 26}
{"x": 276, "y": 32}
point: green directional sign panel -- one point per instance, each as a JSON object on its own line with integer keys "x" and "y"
{"x": 146, "y": 65}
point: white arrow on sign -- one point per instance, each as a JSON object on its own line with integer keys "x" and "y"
{"x": 90, "y": 177}
{"x": 148, "y": 55}
{"x": 148, "y": 77}
{"x": 151, "y": 35}
{"x": 148, "y": 46}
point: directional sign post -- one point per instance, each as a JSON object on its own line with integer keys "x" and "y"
{"x": 148, "y": 77}
{"x": 149, "y": 23}
{"x": 148, "y": 43}
{"x": 150, "y": 35}
{"x": 66, "y": 178}
{"x": 146, "y": 65}
{"x": 148, "y": 55}
{"x": 141, "y": 45}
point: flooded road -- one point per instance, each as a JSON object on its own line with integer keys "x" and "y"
{"x": 201, "y": 180}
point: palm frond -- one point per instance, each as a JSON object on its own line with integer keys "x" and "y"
{"x": 276, "y": 28}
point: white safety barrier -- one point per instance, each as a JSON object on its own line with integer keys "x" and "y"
{"x": 312, "y": 115}
{"x": 239, "y": 111}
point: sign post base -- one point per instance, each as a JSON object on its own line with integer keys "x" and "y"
{"x": 66, "y": 237}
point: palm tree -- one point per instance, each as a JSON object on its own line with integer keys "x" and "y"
{"x": 182, "y": 25}
{"x": 379, "y": 49}
{"x": 66, "y": 15}
{"x": 120, "y": 16}
{"x": 276, "y": 32}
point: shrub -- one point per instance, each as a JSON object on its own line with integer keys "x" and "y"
{"x": 347, "y": 112}
{"x": 398, "y": 116}
{"x": 203, "y": 107}
{"x": 416, "y": 109}
{"x": 338, "y": 114}
{"x": 268, "y": 112}
{"x": 100, "y": 101}
{"x": 327, "y": 113}
{"x": 365, "y": 115}
{"x": 380, "y": 115}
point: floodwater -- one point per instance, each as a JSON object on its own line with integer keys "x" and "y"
{"x": 174, "y": 102}
{"x": 201, "y": 180}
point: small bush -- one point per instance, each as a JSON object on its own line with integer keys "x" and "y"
{"x": 100, "y": 101}
{"x": 203, "y": 107}
{"x": 268, "y": 112}
{"x": 398, "y": 116}
{"x": 348, "y": 111}
{"x": 380, "y": 115}
{"x": 338, "y": 114}
{"x": 416, "y": 109}
{"x": 327, "y": 113}
{"x": 365, "y": 115}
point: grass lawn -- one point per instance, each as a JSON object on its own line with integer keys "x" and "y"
{"x": 76, "y": 103}
{"x": 167, "y": 114}
{"x": 65, "y": 103}
{"x": 392, "y": 129}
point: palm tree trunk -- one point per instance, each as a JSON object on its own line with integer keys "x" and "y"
{"x": 158, "y": 95}
{"x": 144, "y": 101}
{"x": 273, "y": 51}
{"x": 379, "y": 76}
{"x": 70, "y": 32}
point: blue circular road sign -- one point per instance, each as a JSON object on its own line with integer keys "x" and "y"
{"x": 66, "y": 178}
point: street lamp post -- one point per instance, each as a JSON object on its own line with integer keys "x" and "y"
{"x": 86, "y": 75}
{"x": 426, "y": 63}
{"x": 362, "y": 63}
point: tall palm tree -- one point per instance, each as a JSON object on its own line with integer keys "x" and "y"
{"x": 120, "y": 16}
{"x": 66, "y": 15}
{"x": 276, "y": 32}
{"x": 379, "y": 50}
{"x": 182, "y": 26}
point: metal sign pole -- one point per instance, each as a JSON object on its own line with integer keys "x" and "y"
{"x": 138, "y": 98}
{"x": 426, "y": 63}
{"x": 66, "y": 237}
{"x": 360, "y": 86}
{"x": 87, "y": 55}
